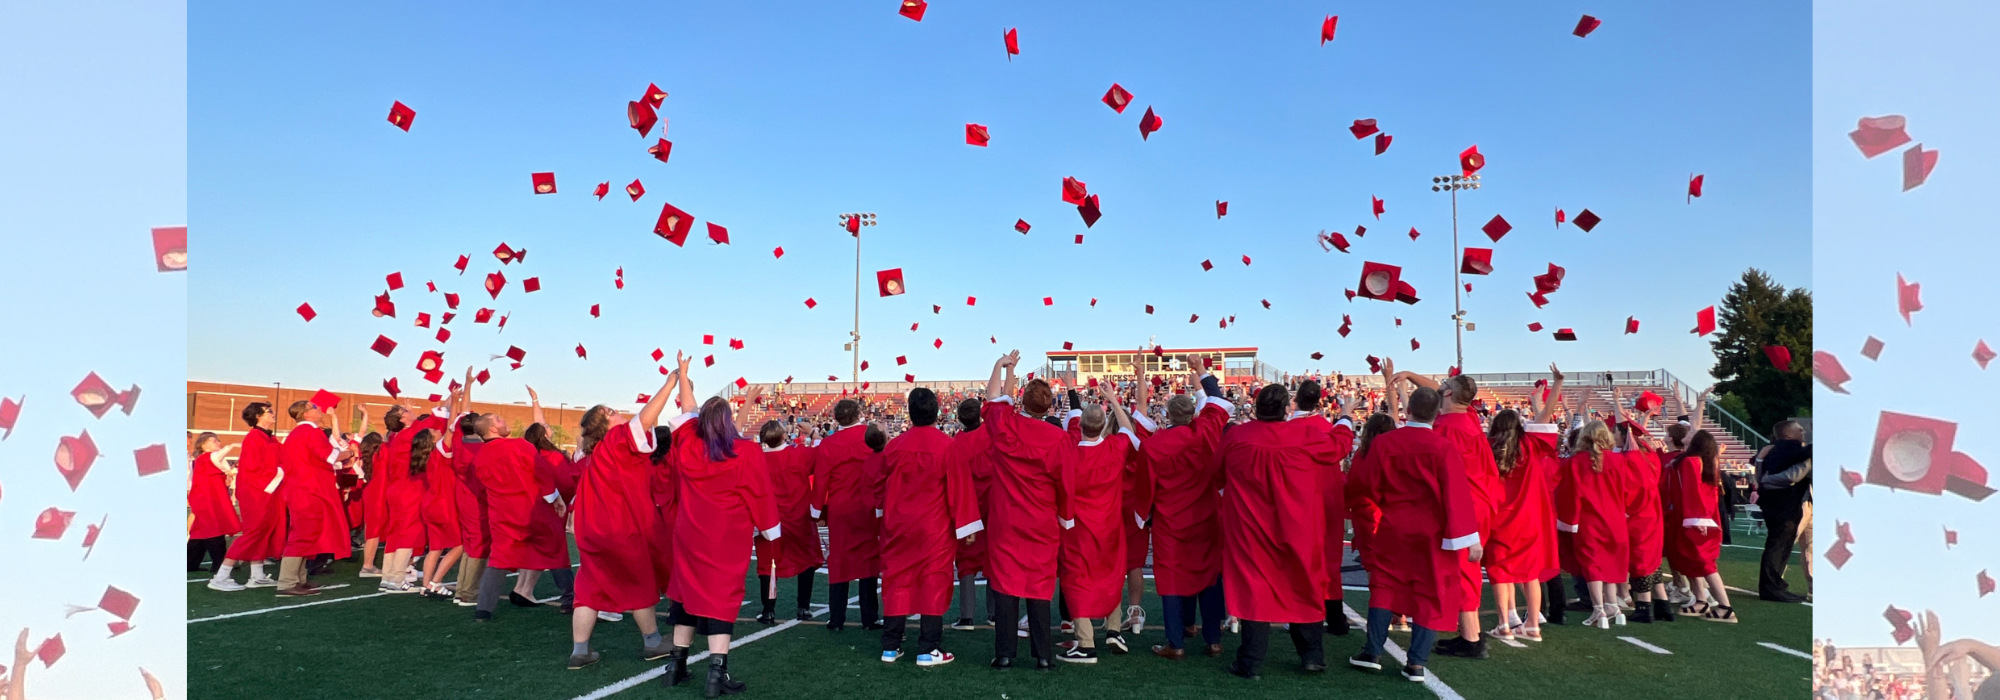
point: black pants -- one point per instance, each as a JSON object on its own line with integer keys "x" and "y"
{"x": 930, "y": 632}
{"x": 836, "y": 598}
{"x": 565, "y": 580}
{"x": 1307, "y": 637}
{"x": 213, "y": 548}
{"x": 805, "y": 594}
{"x": 1783, "y": 522}
{"x": 1006, "y": 640}
{"x": 703, "y": 626}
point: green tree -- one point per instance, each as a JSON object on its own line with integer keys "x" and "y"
{"x": 1756, "y": 313}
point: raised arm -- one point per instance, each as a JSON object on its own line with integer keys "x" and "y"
{"x": 1545, "y": 410}
{"x": 743, "y": 416}
{"x": 1389, "y": 388}
{"x": 1117, "y": 410}
{"x": 535, "y": 402}
{"x": 649, "y": 416}
{"x": 1417, "y": 379}
{"x": 1142, "y": 390}
{"x": 688, "y": 403}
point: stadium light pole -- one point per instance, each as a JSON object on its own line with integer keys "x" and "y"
{"x": 867, "y": 219}
{"x": 1452, "y": 184}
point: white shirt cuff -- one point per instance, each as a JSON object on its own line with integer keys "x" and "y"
{"x": 1549, "y": 428}
{"x": 275, "y": 480}
{"x": 971, "y": 527}
{"x": 1140, "y": 418}
{"x": 1009, "y": 400}
{"x": 1139, "y": 520}
{"x": 1565, "y": 527}
{"x": 815, "y": 512}
{"x": 1067, "y": 524}
{"x": 1134, "y": 437}
{"x": 1223, "y": 404}
{"x": 774, "y": 532}
{"x": 1698, "y": 522}
{"x": 642, "y": 439}
{"x": 878, "y": 512}
{"x": 1461, "y": 542}
{"x": 676, "y": 422}
{"x": 553, "y": 495}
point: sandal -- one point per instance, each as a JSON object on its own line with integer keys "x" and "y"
{"x": 1720, "y": 613}
{"x": 1532, "y": 634}
{"x": 1694, "y": 609}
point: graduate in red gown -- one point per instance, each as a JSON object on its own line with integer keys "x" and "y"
{"x": 927, "y": 505}
{"x": 406, "y": 459}
{"x": 614, "y": 523}
{"x": 1522, "y": 549}
{"x": 971, "y": 451}
{"x": 724, "y": 495}
{"x": 1644, "y": 521}
{"x": 318, "y": 523}
{"x": 1414, "y": 476}
{"x": 1694, "y": 479}
{"x": 1457, "y": 423}
{"x": 1274, "y": 526}
{"x": 552, "y": 515}
{"x": 1333, "y": 494}
{"x": 797, "y": 557}
{"x": 1590, "y": 505}
{"x": 374, "y": 488}
{"x": 469, "y": 496}
{"x": 1187, "y": 533}
{"x": 843, "y": 499}
{"x": 1027, "y": 485}
{"x": 1092, "y": 564}
{"x": 260, "y": 493}
{"x": 211, "y": 515}
{"x": 1137, "y": 492}
{"x": 525, "y": 514}
{"x": 444, "y": 542}
{"x": 1361, "y": 508}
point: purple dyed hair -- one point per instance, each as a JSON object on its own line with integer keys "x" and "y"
{"x": 718, "y": 429}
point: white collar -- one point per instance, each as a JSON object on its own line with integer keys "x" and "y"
{"x": 1414, "y": 424}
{"x": 315, "y": 426}
{"x": 780, "y": 448}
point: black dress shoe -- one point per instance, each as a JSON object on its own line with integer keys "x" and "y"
{"x": 1663, "y": 611}
{"x": 482, "y": 616}
{"x": 804, "y": 615}
{"x": 1338, "y": 628}
{"x": 1241, "y": 672}
{"x": 1783, "y": 597}
{"x": 1642, "y": 614}
{"x": 873, "y": 626}
{"x": 1044, "y": 665}
{"x": 835, "y": 626}
{"x": 1314, "y": 667}
{"x": 521, "y": 601}
{"x": 1003, "y": 662}
{"x": 719, "y": 681}
{"x": 767, "y": 619}
{"x": 1459, "y": 647}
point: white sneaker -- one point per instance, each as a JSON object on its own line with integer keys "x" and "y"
{"x": 371, "y": 573}
{"x": 1135, "y": 618}
{"x": 890, "y": 657}
{"x": 935, "y": 658}
{"x": 261, "y": 582}
{"x": 414, "y": 576}
{"x": 610, "y": 616}
{"x": 226, "y": 585}
{"x": 394, "y": 588}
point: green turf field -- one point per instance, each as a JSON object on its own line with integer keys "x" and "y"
{"x": 352, "y": 643}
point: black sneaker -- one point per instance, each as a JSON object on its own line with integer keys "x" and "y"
{"x": 1241, "y": 672}
{"x": 1313, "y": 666}
{"x": 1079, "y": 654}
{"x": 1642, "y": 614}
{"x": 963, "y": 624}
{"x": 1457, "y": 646}
{"x": 804, "y": 615}
{"x": 767, "y": 619}
{"x": 1002, "y": 663}
{"x": 1663, "y": 611}
{"x": 1413, "y": 673}
{"x": 1365, "y": 661}
{"x": 482, "y": 616}
{"x": 1117, "y": 643}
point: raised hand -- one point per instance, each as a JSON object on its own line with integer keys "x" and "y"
{"x": 682, "y": 360}
{"x": 531, "y": 393}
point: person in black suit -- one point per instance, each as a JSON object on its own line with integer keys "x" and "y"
{"x": 1784, "y": 490}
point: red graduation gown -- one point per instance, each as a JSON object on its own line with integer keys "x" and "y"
{"x": 403, "y": 508}
{"x": 1642, "y": 511}
{"x": 469, "y": 499}
{"x": 1333, "y": 493}
{"x": 1522, "y": 546}
{"x": 375, "y": 496}
{"x": 1590, "y": 505}
{"x": 208, "y": 500}
{"x": 312, "y": 502}
{"x": 622, "y": 567}
{"x": 721, "y": 506}
{"x": 1027, "y": 482}
{"x": 1274, "y": 520}
{"x": 970, "y": 450}
{"x": 1483, "y": 476}
{"x": 1092, "y": 563}
{"x": 790, "y": 469}
{"x": 441, "y": 531}
{"x": 264, "y": 517}
{"x": 1690, "y": 504}
{"x": 1187, "y": 552}
{"x": 843, "y": 496}
{"x": 927, "y": 504}
{"x": 1415, "y": 477}
{"x": 1137, "y": 493}
{"x": 526, "y": 532}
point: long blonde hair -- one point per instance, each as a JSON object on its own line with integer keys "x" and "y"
{"x": 1596, "y": 440}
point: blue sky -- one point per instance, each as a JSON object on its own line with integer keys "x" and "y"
{"x": 1868, "y": 230}
{"x": 783, "y": 116}
{"x": 96, "y": 156}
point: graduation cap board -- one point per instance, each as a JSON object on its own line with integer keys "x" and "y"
{"x": 889, "y": 282}
{"x": 1914, "y": 453}
{"x": 170, "y": 247}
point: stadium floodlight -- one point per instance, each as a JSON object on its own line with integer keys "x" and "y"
{"x": 1453, "y": 184}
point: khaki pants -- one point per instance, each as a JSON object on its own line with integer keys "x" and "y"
{"x": 1116, "y": 620}
{"x": 468, "y": 578}
{"x": 291, "y": 572}
{"x": 1805, "y": 542}
{"x": 1085, "y": 635}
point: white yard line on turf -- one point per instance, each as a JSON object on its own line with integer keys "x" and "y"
{"x": 1643, "y": 645}
{"x": 1788, "y": 650}
{"x": 248, "y": 613}
{"x": 1437, "y": 687}
{"x": 634, "y": 681}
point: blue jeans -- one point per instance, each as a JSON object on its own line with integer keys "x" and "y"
{"x": 1178, "y": 608}
{"x": 1421, "y": 638}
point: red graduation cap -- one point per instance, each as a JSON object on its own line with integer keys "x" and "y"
{"x": 593, "y": 310}
{"x": 1550, "y": 281}
{"x": 654, "y": 95}
{"x": 864, "y": 365}
{"x": 1950, "y": 537}
{"x": 1647, "y": 402}
{"x": 1471, "y": 160}
{"x": 938, "y": 343}
{"x": 913, "y": 9}
{"x": 1376, "y": 204}
{"x": 1909, "y": 298}
{"x": 1221, "y": 208}
{"x": 393, "y": 388}
{"x": 1560, "y": 217}
{"x": 10, "y": 412}
{"x": 444, "y": 335}
{"x": 1013, "y": 40}
{"x": 1350, "y": 295}
{"x": 1073, "y": 191}
{"x": 1334, "y": 239}
{"x": 431, "y": 361}
{"x": 889, "y": 282}
{"x": 545, "y": 183}
{"x": 662, "y": 150}
{"x": 1382, "y": 142}
{"x": 1326, "y": 28}
{"x": 902, "y": 360}
{"x": 383, "y": 345}
{"x": 94, "y": 394}
{"x": 580, "y": 352}
{"x": 1149, "y": 123}
{"x": 531, "y": 284}
{"x": 1982, "y": 354}
{"x": 708, "y": 361}
{"x": 1827, "y": 369}
{"x": 495, "y": 281}
{"x": 1586, "y": 220}
{"x": 118, "y": 602}
{"x": 1378, "y": 281}
{"x": 1413, "y": 233}
{"x": 52, "y": 523}
{"x": 1374, "y": 364}
{"x": 1406, "y": 293}
{"x": 50, "y": 650}
{"x": 1780, "y": 356}
{"x": 913, "y": 326}
{"x": 505, "y": 254}
{"x": 1843, "y": 532}
{"x": 1048, "y": 301}
{"x": 1694, "y": 187}
{"x": 718, "y": 234}
{"x": 853, "y": 225}
{"x": 1089, "y": 211}
{"x": 1631, "y": 324}
{"x": 975, "y": 135}
{"x": 1985, "y": 583}
{"x": 778, "y": 252}
{"x": 395, "y": 280}
{"x": 810, "y": 303}
{"x": 1586, "y": 25}
{"x": 1362, "y": 128}
{"x": 1346, "y": 327}
{"x": 1912, "y": 453}
{"x": 383, "y": 306}
{"x": 707, "y": 339}
{"x": 1838, "y": 554}
{"x": 1267, "y": 303}
{"x": 1497, "y": 227}
{"x": 1878, "y": 135}
{"x": 642, "y": 117}
{"x": 325, "y": 400}
{"x": 1079, "y": 239}
{"x": 401, "y": 115}
{"x": 1917, "y": 166}
{"x": 170, "y": 246}
{"x": 674, "y": 224}
{"x": 1534, "y": 328}
{"x": 74, "y": 455}
{"x": 735, "y": 344}
{"x": 1149, "y": 309}
{"x": 1022, "y": 226}
{"x": 635, "y": 190}
{"x": 1117, "y": 98}
{"x": 462, "y": 262}
{"x": 1193, "y": 317}
{"x": 1704, "y": 321}
{"x": 1850, "y": 479}
{"x": 1206, "y": 266}
{"x": 1477, "y": 261}
{"x": 1317, "y": 356}
{"x": 516, "y": 354}
{"x": 1565, "y": 334}
{"x": 91, "y": 531}
{"x": 1413, "y": 344}
{"x": 1246, "y": 261}
{"x": 482, "y": 376}
{"x": 603, "y": 188}
{"x": 306, "y": 312}
{"x": 1539, "y": 298}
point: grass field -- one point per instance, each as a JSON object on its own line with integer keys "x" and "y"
{"x": 352, "y": 643}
